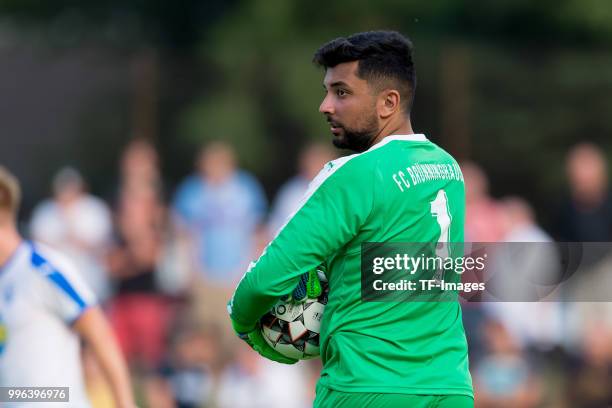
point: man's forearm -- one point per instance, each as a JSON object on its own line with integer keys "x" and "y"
{"x": 96, "y": 332}
{"x": 272, "y": 276}
{"x": 248, "y": 304}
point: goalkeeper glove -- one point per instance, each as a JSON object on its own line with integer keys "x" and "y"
{"x": 309, "y": 286}
{"x": 254, "y": 338}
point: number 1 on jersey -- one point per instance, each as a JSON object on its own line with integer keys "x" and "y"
{"x": 440, "y": 211}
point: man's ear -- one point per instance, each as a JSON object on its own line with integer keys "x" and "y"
{"x": 388, "y": 103}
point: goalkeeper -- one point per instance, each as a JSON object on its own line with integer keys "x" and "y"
{"x": 374, "y": 354}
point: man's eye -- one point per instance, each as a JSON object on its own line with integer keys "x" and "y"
{"x": 341, "y": 92}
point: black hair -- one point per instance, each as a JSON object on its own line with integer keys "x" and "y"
{"x": 385, "y": 60}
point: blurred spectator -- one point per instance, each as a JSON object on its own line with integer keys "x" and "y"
{"x": 590, "y": 287}
{"x": 518, "y": 222}
{"x": 220, "y": 208}
{"x": 311, "y": 161}
{"x": 590, "y": 385}
{"x": 79, "y": 225}
{"x": 253, "y": 382}
{"x": 483, "y": 222}
{"x": 158, "y": 393}
{"x": 140, "y": 165}
{"x": 503, "y": 379}
{"x": 218, "y": 212}
{"x": 523, "y": 270}
{"x": 586, "y": 215}
{"x": 140, "y": 312}
{"x": 140, "y": 176}
{"x": 191, "y": 368}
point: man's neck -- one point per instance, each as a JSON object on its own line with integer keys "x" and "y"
{"x": 404, "y": 127}
{"x": 9, "y": 242}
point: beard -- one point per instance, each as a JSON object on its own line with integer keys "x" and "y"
{"x": 358, "y": 139}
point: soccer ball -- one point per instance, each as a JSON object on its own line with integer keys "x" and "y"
{"x": 293, "y": 329}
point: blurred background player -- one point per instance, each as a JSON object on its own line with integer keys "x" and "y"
{"x": 46, "y": 309}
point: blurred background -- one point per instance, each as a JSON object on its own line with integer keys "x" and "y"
{"x": 161, "y": 144}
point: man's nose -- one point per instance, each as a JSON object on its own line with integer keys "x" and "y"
{"x": 326, "y": 106}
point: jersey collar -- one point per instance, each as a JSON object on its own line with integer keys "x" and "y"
{"x": 415, "y": 137}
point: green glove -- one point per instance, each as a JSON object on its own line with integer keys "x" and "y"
{"x": 253, "y": 337}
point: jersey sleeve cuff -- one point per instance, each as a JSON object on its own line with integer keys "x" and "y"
{"x": 72, "y": 321}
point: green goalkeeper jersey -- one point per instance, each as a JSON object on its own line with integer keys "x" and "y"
{"x": 387, "y": 194}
